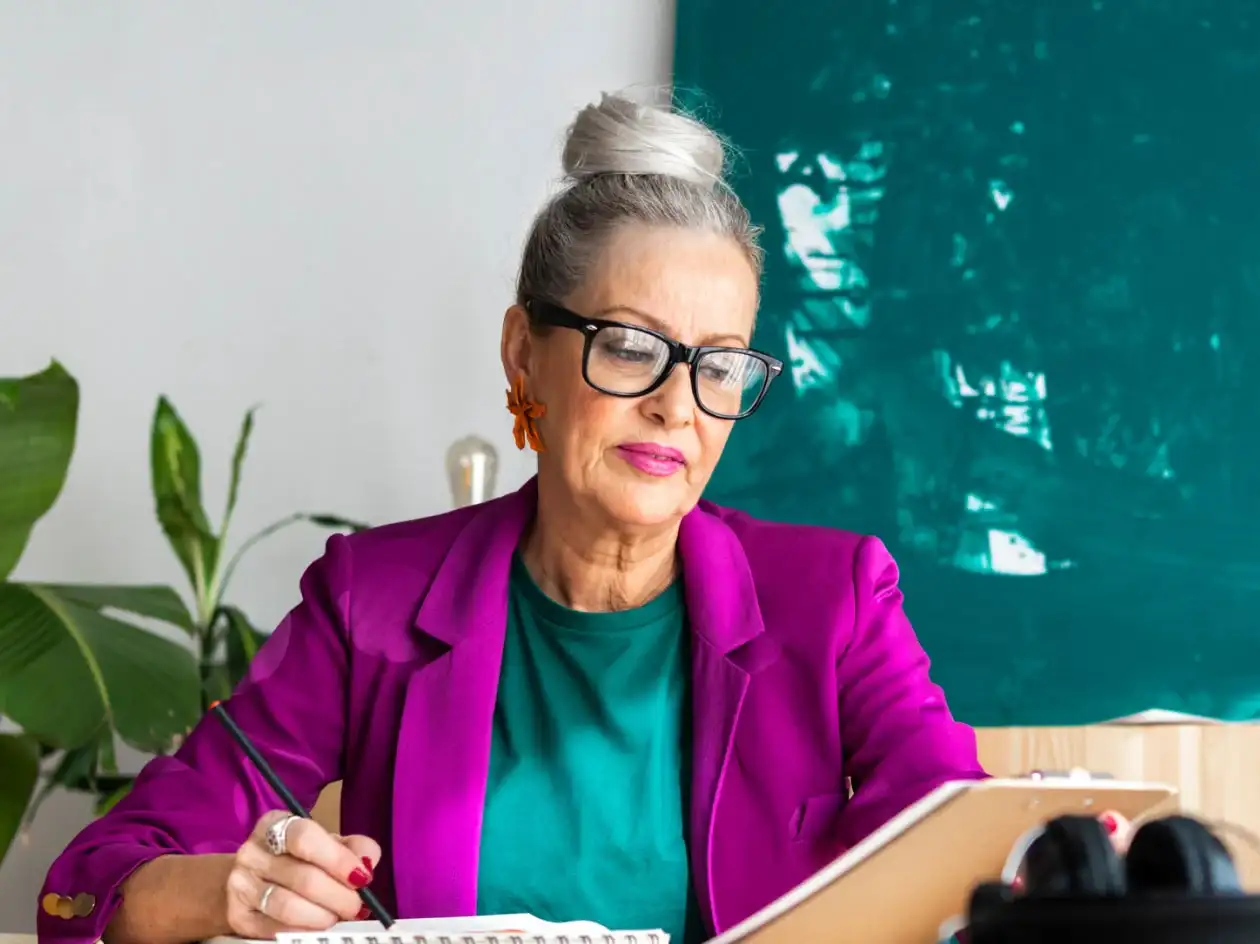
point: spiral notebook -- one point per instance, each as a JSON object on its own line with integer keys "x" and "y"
{"x": 488, "y": 929}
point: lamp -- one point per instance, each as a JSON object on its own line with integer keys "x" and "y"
{"x": 471, "y": 465}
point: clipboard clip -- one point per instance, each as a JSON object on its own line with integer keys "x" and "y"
{"x": 1075, "y": 774}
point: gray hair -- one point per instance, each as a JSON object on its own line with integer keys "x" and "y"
{"x": 626, "y": 162}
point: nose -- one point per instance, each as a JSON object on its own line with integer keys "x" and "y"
{"x": 672, "y": 404}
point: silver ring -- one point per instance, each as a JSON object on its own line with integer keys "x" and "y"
{"x": 266, "y": 897}
{"x": 278, "y": 835}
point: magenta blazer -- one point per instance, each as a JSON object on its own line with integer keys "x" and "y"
{"x": 807, "y": 677}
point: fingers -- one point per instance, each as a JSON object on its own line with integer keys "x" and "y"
{"x": 1119, "y": 828}
{"x": 365, "y": 850}
{"x": 313, "y": 885}
{"x": 265, "y": 822}
{"x": 293, "y": 910}
{"x": 310, "y": 842}
{"x": 284, "y": 908}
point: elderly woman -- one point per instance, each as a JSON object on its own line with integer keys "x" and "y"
{"x": 597, "y": 698}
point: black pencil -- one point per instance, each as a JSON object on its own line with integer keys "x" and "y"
{"x": 289, "y": 799}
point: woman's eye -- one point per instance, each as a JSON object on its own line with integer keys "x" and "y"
{"x": 625, "y": 346}
{"x": 635, "y": 354}
{"x": 727, "y": 370}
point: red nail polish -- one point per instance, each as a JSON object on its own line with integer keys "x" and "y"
{"x": 367, "y": 864}
{"x": 364, "y": 914}
{"x": 1110, "y": 824}
{"x": 359, "y": 878}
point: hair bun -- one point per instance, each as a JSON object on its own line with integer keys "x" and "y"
{"x": 620, "y": 136}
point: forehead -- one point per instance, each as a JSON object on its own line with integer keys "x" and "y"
{"x": 695, "y": 286}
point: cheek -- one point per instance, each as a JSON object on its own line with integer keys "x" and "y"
{"x": 713, "y": 434}
{"x": 561, "y": 390}
{"x": 587, "y": 421}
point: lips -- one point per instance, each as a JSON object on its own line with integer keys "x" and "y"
{"x": 654, "y": 451}
{"x": 652, "y": 459}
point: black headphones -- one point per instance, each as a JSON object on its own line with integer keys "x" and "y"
{"x": 1177, "y": 884}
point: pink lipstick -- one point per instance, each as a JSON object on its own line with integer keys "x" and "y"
{"x": 652, "y": 458}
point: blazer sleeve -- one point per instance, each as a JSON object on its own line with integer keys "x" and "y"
{"x": 206, "y": 797}
{"x": 900, "y": 740}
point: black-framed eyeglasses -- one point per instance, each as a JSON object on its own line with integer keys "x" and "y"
{"x": 628, "y": 360}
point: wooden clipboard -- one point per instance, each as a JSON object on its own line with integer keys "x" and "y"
{"x": 899, "y": 884}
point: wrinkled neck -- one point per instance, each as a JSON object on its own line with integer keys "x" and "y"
{"x": 591, "y": 565}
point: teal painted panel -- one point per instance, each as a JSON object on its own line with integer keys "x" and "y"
{"x": 1014, "y": 263}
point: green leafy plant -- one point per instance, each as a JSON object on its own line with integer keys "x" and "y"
{"x": 79, "y": 670}
{"x": 225, "y": 638}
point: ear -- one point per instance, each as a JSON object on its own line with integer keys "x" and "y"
{"x": 515, "y": 345}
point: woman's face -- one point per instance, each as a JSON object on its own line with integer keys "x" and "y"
{"x": 694, "y": 287}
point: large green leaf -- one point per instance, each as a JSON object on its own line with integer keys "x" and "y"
{"x": 19, "y": 772}
{"x": 107, "y": 800}
{"x": 38, "y": 416}
{"x": 176, "y": 472}
{"x": 238, "y": 464}
{"x": 155, "y": 602}
{"x": 236, "y": 644}
{"x": 216, "y": 685}
{"x": 83, "y": 770}
{"x": 68, "y": 673}
{"x": 242, "y": 644}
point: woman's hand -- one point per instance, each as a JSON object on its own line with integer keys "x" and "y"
{"x": 1119, "y": 829}
{"x": 311, "y": 885}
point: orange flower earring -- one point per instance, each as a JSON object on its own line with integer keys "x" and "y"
{"x": 526, "y": 412}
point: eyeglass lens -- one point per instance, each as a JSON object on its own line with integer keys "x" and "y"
{"x": 628, "y": 361}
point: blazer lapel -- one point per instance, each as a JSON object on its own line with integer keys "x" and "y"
{"x": 444, "y": 739}
{"x": 728, "y": 645}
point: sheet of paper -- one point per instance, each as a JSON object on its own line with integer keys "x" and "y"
{"x": 1163, "y": 716}
{"x": 484, "y": 924}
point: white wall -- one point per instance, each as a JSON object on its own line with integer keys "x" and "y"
{"x": 307, "y": 204}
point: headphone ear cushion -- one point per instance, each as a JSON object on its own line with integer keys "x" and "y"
{"x": 1074, "y": 857}
{"x": 1180, "y": 854}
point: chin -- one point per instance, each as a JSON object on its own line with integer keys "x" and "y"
{"x": 647, "y": 505}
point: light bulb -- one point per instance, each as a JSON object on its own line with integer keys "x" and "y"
{"x": 471, "y": 465}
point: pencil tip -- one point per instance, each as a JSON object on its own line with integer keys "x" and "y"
{"x": 215, "y": 704}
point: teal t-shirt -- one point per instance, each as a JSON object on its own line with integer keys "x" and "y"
{"x": 586, "y": 803}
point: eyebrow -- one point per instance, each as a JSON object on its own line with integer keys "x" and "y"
{"x": 654, "y": 322}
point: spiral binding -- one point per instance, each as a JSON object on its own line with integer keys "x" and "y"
{"x": 624, "y": 938}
